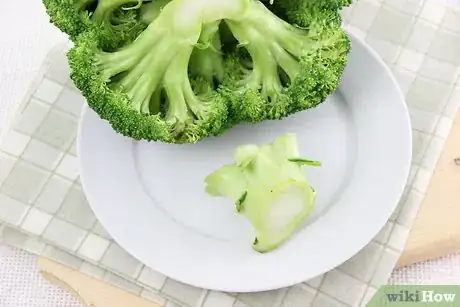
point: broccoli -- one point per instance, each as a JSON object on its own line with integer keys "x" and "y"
{"x": 267, "y": 185}
{"x": 121, "y": 21}
{"x": 292, "y": 68}
{"x": 183, "y": 70}
{"x": 70, "y": 16}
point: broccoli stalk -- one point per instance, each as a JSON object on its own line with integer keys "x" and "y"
{"x": 207, "y": 60}
{"x": 269, "y": 187}
{"x": 149, "y": 11}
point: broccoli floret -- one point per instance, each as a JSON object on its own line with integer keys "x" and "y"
{"x": 148, "y": 83}
{"x": 111, "y": 105}
{"x": 201, "y": 67}
{"x": 305, "y": 13}
{"x": 290, "y": 68}
{"x": 70, "y": 16}
{"x": 267, "y": 185}
{"x": 120, "y": 21}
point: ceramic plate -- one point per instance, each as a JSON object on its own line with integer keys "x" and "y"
{"x": 150, "y": 196}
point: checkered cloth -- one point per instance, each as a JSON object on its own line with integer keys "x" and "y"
{"x": 44, "y": 210}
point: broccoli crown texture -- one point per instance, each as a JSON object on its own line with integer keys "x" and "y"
{"x": 70, "y": 16}
{"x": 119, "y": 21}
{"x": 178, "y": 71}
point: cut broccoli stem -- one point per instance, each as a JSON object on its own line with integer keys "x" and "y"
{"x": 273, "y": 193}
{"x": 288, "y": 206}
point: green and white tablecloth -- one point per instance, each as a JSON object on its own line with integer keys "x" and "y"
{"x": 43, "y": 208}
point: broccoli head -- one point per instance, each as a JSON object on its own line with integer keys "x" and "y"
{"x": 200, "y": 67}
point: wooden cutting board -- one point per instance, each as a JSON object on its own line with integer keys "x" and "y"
{"x": 435, "y": 233}
{"x": 91, "y": 292}
{"x": 436, "y": 230}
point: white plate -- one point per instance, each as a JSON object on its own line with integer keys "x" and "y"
{"x": 150, "y": 196}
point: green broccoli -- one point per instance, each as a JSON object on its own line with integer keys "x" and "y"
{"x": 292, "y": 68}
{"x": 269, "y": 187}
{"x": 70, "y": 16}
{"x": 199, "y": 67}
{"x": 301, "y": 12}
{"x": 121, "y": 21}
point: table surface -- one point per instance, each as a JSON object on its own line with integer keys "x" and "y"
{"x": 24, "y": 46}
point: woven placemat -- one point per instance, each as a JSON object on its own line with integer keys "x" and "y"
{"x": 43, "y": 208}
